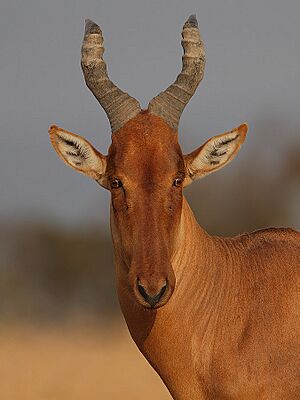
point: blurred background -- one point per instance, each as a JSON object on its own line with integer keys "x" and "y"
{"x": 61, "y": 332}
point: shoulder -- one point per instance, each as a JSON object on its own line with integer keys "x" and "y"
{"x": 274, "y": 234}
{"x": 273, "y": 246}
{"x": 270, "y": 239}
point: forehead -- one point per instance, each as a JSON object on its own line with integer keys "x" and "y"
{"x": 145, "y": 144}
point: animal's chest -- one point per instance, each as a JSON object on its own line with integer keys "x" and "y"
{"x": 248, "y": 375}
{"x": 230, "y": 378}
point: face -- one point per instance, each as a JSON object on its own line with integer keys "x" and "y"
{"x": 145, "y": 173}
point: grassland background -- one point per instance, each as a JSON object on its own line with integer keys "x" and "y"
{"x": 76, "y": 362}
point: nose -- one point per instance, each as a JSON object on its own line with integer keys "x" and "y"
{"x": 152, "y": 298}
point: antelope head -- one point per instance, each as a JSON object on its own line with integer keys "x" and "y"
{"x": 145, "y": 170}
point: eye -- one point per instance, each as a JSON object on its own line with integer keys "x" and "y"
{"x": 177, "y": 182}
{"x": 115, "y": 184}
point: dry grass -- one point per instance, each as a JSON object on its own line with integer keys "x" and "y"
{"x": 74, "y": 363}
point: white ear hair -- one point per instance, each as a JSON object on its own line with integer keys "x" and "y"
{"x": 215, "y": 153}
{"x": 78, "y": 153}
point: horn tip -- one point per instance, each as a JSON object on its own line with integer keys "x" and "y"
{"x": 91, "y": 27}
{"x": 192, "y": 21}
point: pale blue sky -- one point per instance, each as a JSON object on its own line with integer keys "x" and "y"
{"x": 252, "y": 74}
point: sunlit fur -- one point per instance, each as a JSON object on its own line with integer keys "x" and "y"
{"x": 228, "y": 326}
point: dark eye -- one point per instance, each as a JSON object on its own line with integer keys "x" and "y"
{"x": 177, "y": 182}
{"x": 115, "y": 184}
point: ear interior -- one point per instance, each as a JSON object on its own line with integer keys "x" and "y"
{"x": 78, "y": 153}
{"x": 215, "y": 153}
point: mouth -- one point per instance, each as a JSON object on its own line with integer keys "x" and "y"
{"x": 150, "y": 307}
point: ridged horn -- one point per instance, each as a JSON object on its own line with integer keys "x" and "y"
{"x": 118, "y": 105}
{"x": 170, "y": 103}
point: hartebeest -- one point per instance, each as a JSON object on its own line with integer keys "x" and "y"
{"x": 217, "y": 318}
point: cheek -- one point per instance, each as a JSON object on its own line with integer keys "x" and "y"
{"x": 174, "y": 208}
{"x": 119, "y": 201}
{"x": 122, "y": 227}
{"x": 122, "y": 215}
{"x": 119, "y": 210}
{"x": 174, "y": 201}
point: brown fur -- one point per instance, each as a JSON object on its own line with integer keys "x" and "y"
{"x": 231, "y": 329}
{"x": 228, "y": 326}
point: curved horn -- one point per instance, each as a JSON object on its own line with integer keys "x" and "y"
{"x": 119, "y": 106}
{"x": 170, "y": 103}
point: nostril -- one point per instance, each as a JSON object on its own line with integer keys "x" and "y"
{"x": 162, "y": 290}
{"x": 142, "y": 290}
{"x": 151, "y": 299}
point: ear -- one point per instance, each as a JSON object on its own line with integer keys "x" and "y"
{"x": 79, "y": 154}
{"x": 214, "y": 154}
